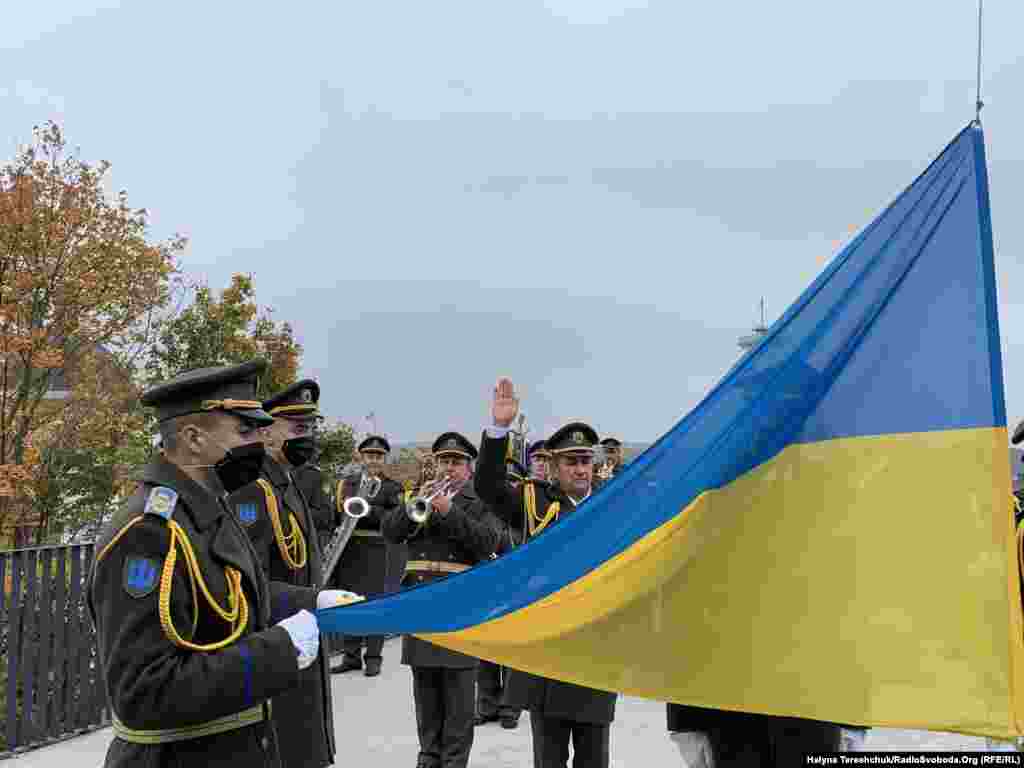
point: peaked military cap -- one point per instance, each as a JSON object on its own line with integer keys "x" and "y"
{"x": 539, "y": 448}
{"x": 230, "y": 388}
{"x": 299, "y": 400}
{"x": 1018, "y": 434}
{"x": 374, "y": 444}
{"x": 452, "y": 443}
{"x": 611, "y": 442}
{"x": 575, "y": 437}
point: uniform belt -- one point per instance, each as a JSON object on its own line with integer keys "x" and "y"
{"x": 365, "y": 532}
{"x": 436, "y": 566}
{"x": 163, "y": 735}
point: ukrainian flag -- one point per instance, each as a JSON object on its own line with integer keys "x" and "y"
{"x": 827, "y": 535}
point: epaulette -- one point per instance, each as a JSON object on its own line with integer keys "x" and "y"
{"x": 161, "y": 502}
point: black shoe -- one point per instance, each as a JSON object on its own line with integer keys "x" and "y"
{"x": 509, "y": 723}
{"x": 348, "y": 664}
{"x": 484, "y": 719}
{"x": 372, "y": 667}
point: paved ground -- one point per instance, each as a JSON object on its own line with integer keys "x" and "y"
{"x": 375, "y": 728}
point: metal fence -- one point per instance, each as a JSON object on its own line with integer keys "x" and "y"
{"x": 51, "y": 684}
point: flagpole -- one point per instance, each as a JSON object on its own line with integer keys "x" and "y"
{"x": 978, "y": 103}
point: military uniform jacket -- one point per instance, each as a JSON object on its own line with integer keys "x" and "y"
{"x": 152, "y": 683}
{"x": 463, "y": 536}
{"x": 304, "y": 713}
{"x": 549, "y": 698}
{"x": 363, "y": 567}
{"x": 309, "y": 479}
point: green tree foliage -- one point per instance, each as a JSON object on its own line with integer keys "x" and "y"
{"x": 224, "y": 330}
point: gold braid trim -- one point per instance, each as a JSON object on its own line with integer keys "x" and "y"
{"x": 113, "y": 541}
{"x": 230, "y": 405}
{"x": 534, "y": 523}
{"x": 296, "y": 408}
{"x": 293, "y": 546}
{"x": 339, "y": 497}
{"x": 236, "y": 614}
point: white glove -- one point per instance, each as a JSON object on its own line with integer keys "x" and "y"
{"x": 305, "y": 635}
{"x": 329, "y": 598}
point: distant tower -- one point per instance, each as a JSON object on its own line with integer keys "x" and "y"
{"x": 748, "y": 341}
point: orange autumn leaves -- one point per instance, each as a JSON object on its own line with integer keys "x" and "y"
{"x": 79, "y": 276}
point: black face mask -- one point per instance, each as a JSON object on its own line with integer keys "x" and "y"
{"x": 241, "y": 466}
{"x": 299, "y": 450}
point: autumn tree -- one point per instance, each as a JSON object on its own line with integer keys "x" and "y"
{"x": 337, "y": 447}
{"x": 79, "y": 276}
{"x": 223, "y": 330}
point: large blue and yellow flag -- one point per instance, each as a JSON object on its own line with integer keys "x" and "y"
{"x": 827, "y": 535}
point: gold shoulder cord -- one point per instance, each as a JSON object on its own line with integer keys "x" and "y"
{"x": 534, "y": 522}
{"x": 339, "y": 497}
{"x": 237, "y": 612}
{"x": 292, "y": 546}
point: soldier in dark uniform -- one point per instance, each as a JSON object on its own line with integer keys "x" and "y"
{"x": 456, "y": 536}
{"x": 274, "y": 514}
{"x": 363, "y": 567}
{"x": 310, "y": 480}
{"x": 539, "y": 457}
{"x": 559, "y": 711}
{"x": 492, "y": 679}
{"x": 190, "y": 672}
{"x": 613, "y": 452}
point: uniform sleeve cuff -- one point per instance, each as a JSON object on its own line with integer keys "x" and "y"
{"x": 498, "y": 432}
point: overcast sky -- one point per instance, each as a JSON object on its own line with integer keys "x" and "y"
{"x": 590, "y": 196}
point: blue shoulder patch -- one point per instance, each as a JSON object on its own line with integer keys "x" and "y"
{"x": 161, "y": 502}
{"x": 246, "y": 512}
{"x": 141, "y": 575}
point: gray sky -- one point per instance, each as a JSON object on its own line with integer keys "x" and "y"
{"x": 587, "y": 195}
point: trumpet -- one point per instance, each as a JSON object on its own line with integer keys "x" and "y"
{"x": 357, "y": 506}
{"x": 420, "y": 508}
{"x": 604, "y": 472}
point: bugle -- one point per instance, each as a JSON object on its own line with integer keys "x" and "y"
{"x": 357, "y": 506}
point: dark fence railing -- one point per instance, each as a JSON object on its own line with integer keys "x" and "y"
{"x": 51, "y": 683}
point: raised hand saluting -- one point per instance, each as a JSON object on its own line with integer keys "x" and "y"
{"x": 505, "y": 405}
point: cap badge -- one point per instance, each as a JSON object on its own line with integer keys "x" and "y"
{"x": 306, "y": 396}
{"x": 577, "y": 437}
{"x": 451, "y": 444}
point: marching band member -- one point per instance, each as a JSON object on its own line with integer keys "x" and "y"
{"x": 613, "y": 453}
{"x": 364, "y": 563}
{"x": 190, "y": 671}
{"x": 453, "y": 537}
{"x": 558, "y": 711}
{"x": 539, "y": 457}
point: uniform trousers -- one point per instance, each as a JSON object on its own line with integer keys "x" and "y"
{"x": 353, "y": 645}
{"x": 763, "y": 743}
{"x": 551, "y": 736}
{"x": 444, "y": 701}
{"x": 490, "y": 687}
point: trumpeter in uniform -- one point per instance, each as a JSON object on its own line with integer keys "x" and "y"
{"x": 190, "y": 672}
{"x": 456, "y": 535}
{"x": 613, "y": 454}
{"x": 559, "y": 711}
{"x": 366, "y": 562}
